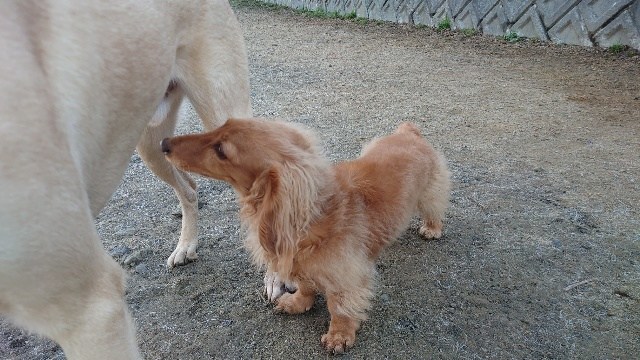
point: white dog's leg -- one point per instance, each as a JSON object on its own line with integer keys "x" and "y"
{"x": 184, "y": 187}
{"x": 104, "y": 330}
{"x": 212, "y": 71}
{"x": 274, "y": 287}
{"x": 69, "y": 290}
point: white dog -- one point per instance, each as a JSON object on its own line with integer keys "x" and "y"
{"x": 80, "y": 81}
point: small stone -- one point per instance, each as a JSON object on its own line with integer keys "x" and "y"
{"x": 120, "y": 250}
{"x": 384, "y": 298}
{"x": 125, "y": 232}
{"x": 624, "y": 292}
{"x": 136, "y": 257}
{"x": 142, "y": 268}
{"x": 478, "y": 301}
{"x": 16, "y": 343}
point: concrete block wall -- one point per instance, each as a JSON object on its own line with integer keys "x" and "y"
{"x": 579, "y": 22}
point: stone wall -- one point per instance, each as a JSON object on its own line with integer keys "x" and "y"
{"x": 580, "y": 22}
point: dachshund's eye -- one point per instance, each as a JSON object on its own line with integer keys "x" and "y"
{"x": 218, "y": 149}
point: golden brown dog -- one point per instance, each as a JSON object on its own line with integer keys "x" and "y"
{"x": 319, "y": 226}
{"x": 82, "y": 83}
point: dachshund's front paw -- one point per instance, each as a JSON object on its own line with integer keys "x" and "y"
{"x": 338, "y": 341}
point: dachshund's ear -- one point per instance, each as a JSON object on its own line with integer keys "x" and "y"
{"x": 267, "y": 186}
{"x": 283, "y": 203}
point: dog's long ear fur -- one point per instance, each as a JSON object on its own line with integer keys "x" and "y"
{"x": 284, "y": 201}
{"x": 266, "y": 187}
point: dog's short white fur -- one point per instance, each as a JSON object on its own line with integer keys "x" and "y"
{"x": 80, "y": 81}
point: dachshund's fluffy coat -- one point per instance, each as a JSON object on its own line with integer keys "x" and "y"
{"x": 317, "y": 225}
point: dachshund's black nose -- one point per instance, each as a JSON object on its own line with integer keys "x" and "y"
{"x": 164, "y": 144}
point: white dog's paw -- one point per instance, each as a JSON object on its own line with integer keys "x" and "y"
{"x": 182, "y": 255}
{"x": 274, "y": 287}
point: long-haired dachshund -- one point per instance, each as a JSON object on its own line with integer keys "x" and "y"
{"x": 320, "y": 226}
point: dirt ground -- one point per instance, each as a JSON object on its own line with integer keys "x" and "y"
{"x": 541, "y": 253}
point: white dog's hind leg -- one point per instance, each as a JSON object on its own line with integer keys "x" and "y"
{"x": 212, "y": 71}
{"x": 183, "y": 185}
